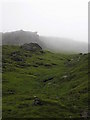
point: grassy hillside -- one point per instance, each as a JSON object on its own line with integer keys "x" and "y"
{"x": 60, "y": 81}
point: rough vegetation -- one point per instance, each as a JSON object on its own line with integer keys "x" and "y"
{"x": 42, "y": 84}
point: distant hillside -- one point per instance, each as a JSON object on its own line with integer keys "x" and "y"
{"x": 49, "y": 43}
{"x": 63, "y": 44}
{"x": 19, "y": 37}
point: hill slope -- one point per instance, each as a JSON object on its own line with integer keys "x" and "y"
{"x": 59, "y": 81}
{"x": 49, "y": 43}
{"x": 63, "y": 44}
{"x": 19, "y": 37}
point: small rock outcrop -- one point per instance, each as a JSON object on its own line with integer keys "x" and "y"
{"x": 31, "y": 47}
{"x": 37, "y": 101}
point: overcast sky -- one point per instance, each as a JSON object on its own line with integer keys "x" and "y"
{"x": 61, "y": 18}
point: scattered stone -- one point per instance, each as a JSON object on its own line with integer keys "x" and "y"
{"x": 9, "y": 92}
{"x": 49, "y": 83}
{"x": 57, "y": 97}
{"x": 84, "y": 114}
{"x": 37, "y": 101}
{"x": 64, "y": 77}
{"x": 71, "y": 59}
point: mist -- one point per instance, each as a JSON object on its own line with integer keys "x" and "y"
{"x": 57, "y": 18}
{"x": 64, "y": 44}
{"x": 62, "y": 25}
{"x": 54, "y": 44}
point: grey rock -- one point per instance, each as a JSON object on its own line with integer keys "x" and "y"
{"x": 31, "y": 47}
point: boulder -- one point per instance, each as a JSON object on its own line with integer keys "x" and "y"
{"x": 31, "y": 47}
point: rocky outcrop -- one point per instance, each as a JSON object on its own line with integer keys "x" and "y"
{"x": 31, "y": 47}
